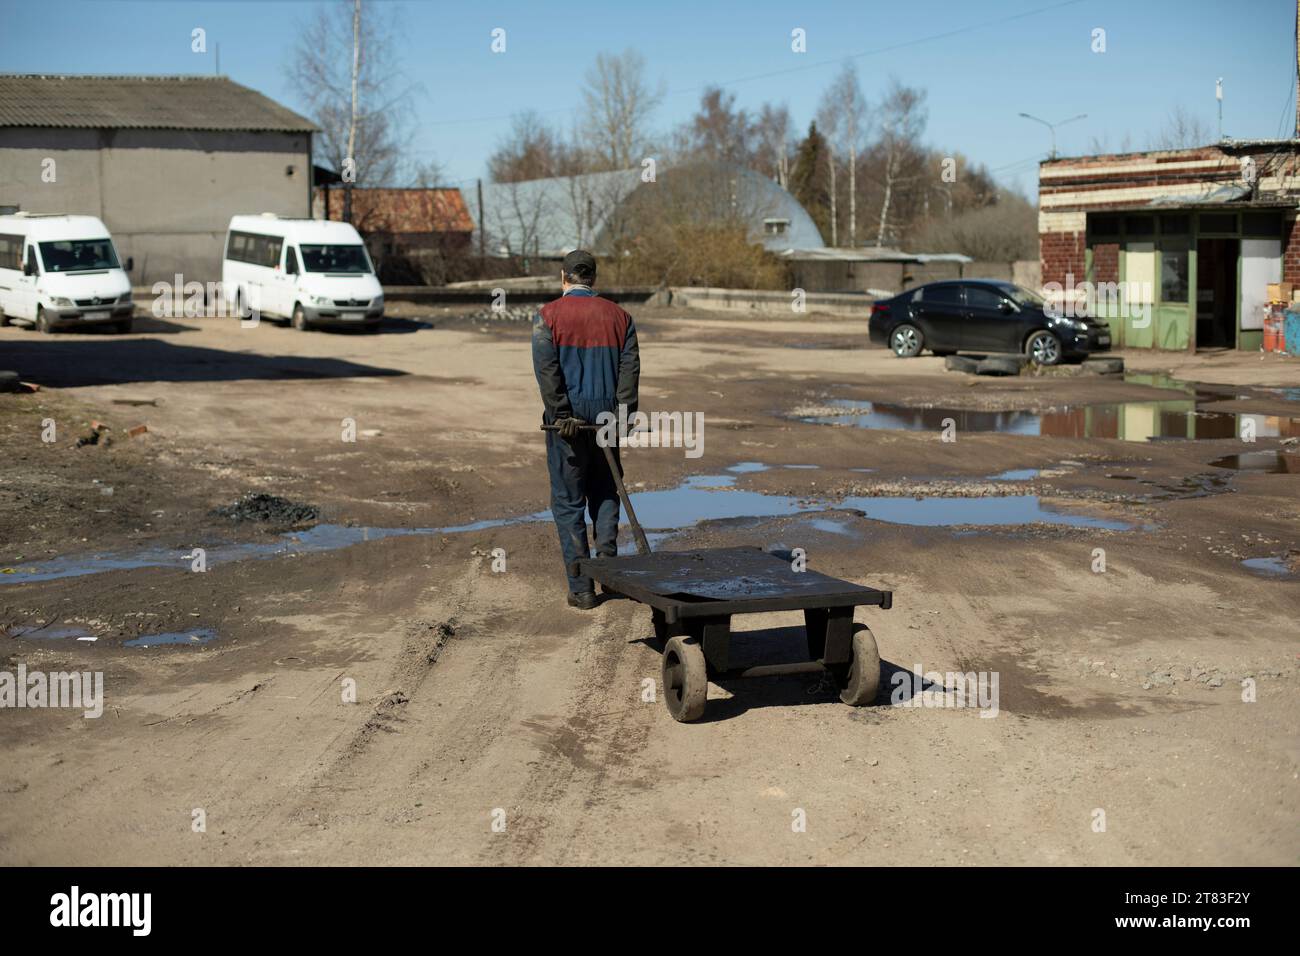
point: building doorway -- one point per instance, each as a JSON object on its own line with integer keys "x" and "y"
{"x": 1216, "y": 292}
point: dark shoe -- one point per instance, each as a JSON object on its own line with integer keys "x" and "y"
{"x": 583, "y": 600}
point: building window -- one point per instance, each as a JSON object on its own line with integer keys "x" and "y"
{"x": 1175, "y": 225}
{"x": 1218, "y": 222}
{"x": 1103, "y": 227}
{"x": 1173, "y": 274}
{"x": 776, "y": 227}
{"x": 1265, "y": 225}
{"x": 1139, "y": 226}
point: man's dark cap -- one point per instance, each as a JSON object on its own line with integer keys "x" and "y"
{"x": 580, "y": 262}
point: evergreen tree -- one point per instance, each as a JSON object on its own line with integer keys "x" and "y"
{"x": 808, "y": 180}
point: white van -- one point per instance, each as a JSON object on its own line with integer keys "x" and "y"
{"x": 61, "y": 271}
{"x": 310, "y": 271}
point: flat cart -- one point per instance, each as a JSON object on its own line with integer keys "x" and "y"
{"x": 693, "y": 594}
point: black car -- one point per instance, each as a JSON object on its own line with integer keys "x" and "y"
{"x": 976, "y": 315}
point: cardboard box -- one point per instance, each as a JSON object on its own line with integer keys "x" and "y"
{"x": 1280, "y": 291}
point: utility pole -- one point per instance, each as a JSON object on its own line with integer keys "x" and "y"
{"x": 1297, "y": 66}
{"x": 482, "y": 258}
{"x": 1218, "y": 95}
{"x": 352, "y": 126}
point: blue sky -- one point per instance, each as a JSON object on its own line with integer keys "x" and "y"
{"x": 980, "y": 67}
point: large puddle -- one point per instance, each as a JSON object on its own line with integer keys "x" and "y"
{"x": 699, "y": 498}
{"x": 1128, "y": 421}
{"x": 65, "y": 632}
{"x": 1267, "y": 462}
{"x": 1185, "y": 418}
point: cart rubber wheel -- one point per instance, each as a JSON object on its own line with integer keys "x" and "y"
{"x": 685, "y": 679}
{"x": 859, "y": 685}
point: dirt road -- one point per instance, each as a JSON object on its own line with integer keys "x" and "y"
{"x": 1147, "y": 713}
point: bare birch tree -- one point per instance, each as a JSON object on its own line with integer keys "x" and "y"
{"x": 619, "y": 101}
{"x": 902, "y": 122}
{"x": 844, "y": 101}
{"x": 343, "y": 69}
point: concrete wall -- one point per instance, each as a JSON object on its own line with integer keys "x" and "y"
{"x": 749, "y": 301}
{"x": 166, "y": 195}
{"x": 830, "y": 276}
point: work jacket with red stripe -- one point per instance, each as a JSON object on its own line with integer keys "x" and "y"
{"x": 585, "y": 356}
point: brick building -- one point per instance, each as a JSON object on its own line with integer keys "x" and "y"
{"x": 414, "y": 235}
{"x": 1174, "y": 247}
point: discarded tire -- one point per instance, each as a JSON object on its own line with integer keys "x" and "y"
{"x": 961, "y": 363}
{"x": 998, "y": 365}
{"x": 1103, "y": 366}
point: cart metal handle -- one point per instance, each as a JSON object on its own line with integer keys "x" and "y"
{"x": 642, "y": 545}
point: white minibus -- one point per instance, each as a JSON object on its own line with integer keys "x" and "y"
{"x": 309, "y": 271}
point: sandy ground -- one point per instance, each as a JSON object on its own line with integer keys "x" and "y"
{"x": 493, "y": 724}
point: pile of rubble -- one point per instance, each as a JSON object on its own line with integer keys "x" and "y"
{"x": 513, "y": 313}
{"x": 268, "y": 509}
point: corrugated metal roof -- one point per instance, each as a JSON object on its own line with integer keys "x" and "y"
{"x": 550, "y": 217}
{"x": 141, "y": 102}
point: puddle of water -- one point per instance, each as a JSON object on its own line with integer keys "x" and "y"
{"x": 1001, "y": 510}
{"x": 1016, "y": 474}
{"x": 1275, "y": 566}
{"x": 1128, "y": 421}
{"x": 803, "y": 467}
{"x": 323, "y": 537}
{"x": 201, "y": 635}
{"x": 47, "y": 633}
{"x": 1267, "y": 462}
{"x": 698, "y": 498}
{"x": 745, "y": 467}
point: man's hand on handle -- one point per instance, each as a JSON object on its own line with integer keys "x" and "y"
{"x": 569, "y": 427}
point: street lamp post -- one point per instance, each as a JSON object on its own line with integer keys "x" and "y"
{"x": 1052, "y": 126}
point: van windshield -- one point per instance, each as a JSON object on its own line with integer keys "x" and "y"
{"x": 78, "y": 255}
{"x": 334, "y": 258}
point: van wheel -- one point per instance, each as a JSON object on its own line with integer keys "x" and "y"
{"x": 300, "y": 318}
{"x": 43, "y": 321}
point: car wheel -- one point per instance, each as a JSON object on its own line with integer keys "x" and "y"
{"x": 906, "y": 341}
{"x": 43, "y": 321}
{"x": 1044, "y": 348}
{"x": 300, "y": 318}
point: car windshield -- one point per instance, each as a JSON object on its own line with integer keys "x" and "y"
{"x": 1021, "y": 296}
{"x": 78, "y": 255}
{"x": 334, "y": 259}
